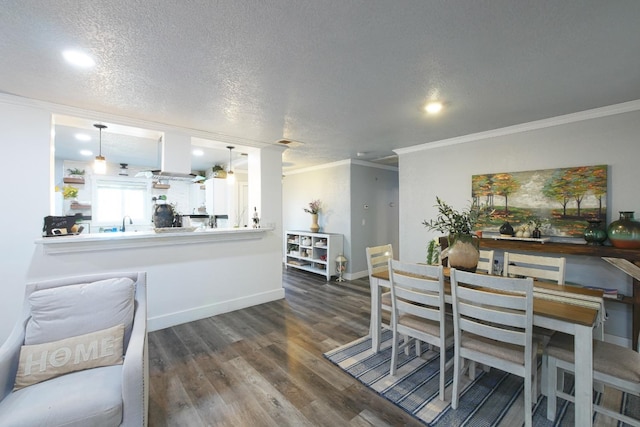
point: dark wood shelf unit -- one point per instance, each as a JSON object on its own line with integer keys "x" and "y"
{"x": 632, "y": 255}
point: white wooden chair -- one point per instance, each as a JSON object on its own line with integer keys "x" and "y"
{"x": 377, "y": 264}
{"x": 485, "y": 263}
{"x": 493, "y": 325}
{"x": 536, "y": 266}
{"x": 418, "y": 311}
{"x": 613, "y": 365}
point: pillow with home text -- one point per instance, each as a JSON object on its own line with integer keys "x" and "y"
{"x": 41, "y": 362}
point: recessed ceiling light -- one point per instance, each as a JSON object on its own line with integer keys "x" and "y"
{"x": 86, "y": 152}
{"x": 197, "y": 152}
{"x": 79, "y": 59}
{"x": 433, "y": 107}
{"x": 82, "y": 137}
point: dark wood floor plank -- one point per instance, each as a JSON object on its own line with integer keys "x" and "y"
{"x": 169, "y": 394}
{"x": 264, "y": 365}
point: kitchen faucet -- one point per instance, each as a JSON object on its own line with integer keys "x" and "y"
{"x": 123, "y": 229}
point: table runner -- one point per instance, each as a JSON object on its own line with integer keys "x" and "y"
{"x": 589, "y": 301}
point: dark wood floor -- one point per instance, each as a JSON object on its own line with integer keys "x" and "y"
{"x": 263, "y": 366}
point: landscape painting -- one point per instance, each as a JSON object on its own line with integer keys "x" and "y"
{"x": 560, "y": 200}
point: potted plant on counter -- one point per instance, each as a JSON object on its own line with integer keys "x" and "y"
{"x": 463, "y": 246}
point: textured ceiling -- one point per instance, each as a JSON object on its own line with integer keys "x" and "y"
{"x": 339, "y": 77}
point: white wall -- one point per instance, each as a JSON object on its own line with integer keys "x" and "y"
{"x": 374, "y": 211}
{"x": 446, "y": 171}
{"x": 331, "y": 185}
{"x": 25, "y": 135}
{"x": 183, "y": 282}
{"x": 344, "y": 188}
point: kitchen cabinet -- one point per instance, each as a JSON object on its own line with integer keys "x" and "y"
{"x": 197, "y": 199}
{"x": 313, "y": 252}
{"x": 217, "y": 196}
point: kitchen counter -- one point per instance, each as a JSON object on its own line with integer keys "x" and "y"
{"x": 142, "y": 239}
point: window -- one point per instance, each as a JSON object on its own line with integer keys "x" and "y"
{"x": 115, "y": 197}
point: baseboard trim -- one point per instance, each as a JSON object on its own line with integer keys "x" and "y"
{"x": 177, "y": 318}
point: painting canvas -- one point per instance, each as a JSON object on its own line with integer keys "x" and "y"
{"x": 562, "y": 200}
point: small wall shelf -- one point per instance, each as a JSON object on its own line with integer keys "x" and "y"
{"x": 80, "y": 206}
{"x": 73, "y": 180}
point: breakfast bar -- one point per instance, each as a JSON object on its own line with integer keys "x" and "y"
{"x": 190, "y": 274}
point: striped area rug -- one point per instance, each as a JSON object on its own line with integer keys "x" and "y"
{"x": 494, "y": 398}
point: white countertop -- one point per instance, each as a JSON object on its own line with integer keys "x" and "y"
{"x": 140, "y": 239}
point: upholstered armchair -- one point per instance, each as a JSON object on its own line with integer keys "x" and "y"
{"x": 78, "y": 355}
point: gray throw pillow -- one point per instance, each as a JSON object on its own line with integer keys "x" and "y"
{"x": 69, "y": 311}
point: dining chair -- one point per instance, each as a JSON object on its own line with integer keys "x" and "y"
{"x": 493, "y": 325}
{"x": 536, "y": 266}
{"x": 419, "y": 311}
{"x": 485, "y": 263}
{"x": 378, "y": 266}
{"x": 613, "y": 365}
{"x": 544, "y": 268}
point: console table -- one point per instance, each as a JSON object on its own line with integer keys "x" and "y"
{"x": 626, "y": 256}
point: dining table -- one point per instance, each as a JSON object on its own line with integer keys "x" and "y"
{"x": 570, "y": 309}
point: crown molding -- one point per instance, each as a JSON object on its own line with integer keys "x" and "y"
{"x": 595, "y": 113}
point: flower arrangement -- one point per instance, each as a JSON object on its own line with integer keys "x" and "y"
{"x": 451, "y": 221}
{"x": 314, "y": 207}
{"x": 69, "y": 192}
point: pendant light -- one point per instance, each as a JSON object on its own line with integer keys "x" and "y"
{"x": 100, "y": 164}
{"x": 230, "y": 176}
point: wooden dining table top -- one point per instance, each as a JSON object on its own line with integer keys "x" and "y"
{"x": 545, "y": 307}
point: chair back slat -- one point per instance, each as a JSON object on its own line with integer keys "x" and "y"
{"x": 417, "y": 284}
{"x": 498, "y": 298}
{"x": 536, "y": 266}
{"x": 377, "y": 257}
{"x": 492, "y": 314}
{"x": 497, "y": 334}
{"x": 485, "y": 263}
{"x": 424, "y": 312}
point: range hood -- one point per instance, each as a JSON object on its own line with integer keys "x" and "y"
{"x": 161, "y": 175}
{"x": 175, "y": 159}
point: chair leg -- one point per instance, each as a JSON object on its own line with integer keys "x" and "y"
{"x": 544, "y": 385}
{"x": 457, "y": 369}
{"x": 528, "y": 391}
{"x": 394, "y": 353}
{"x": 443, "y": 369}
{"x": 472, "y": 370}
{"x": 534, "y": 374}
{"x": 552, "y": 386}
{"x": 375, "y": 324}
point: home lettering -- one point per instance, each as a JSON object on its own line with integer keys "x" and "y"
{"x": 62, "y": 356}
